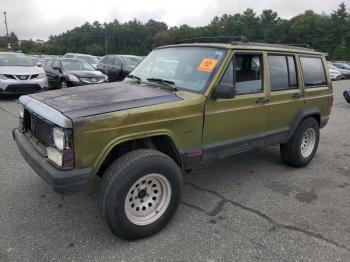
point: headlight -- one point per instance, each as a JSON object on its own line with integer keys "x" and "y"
{"x": 73, "y": 78}
{"x": 3, "y": 77}
{"x": 59, "y": 138}
{"x": 20, "y": 111}
{"x": 41, "y": 75}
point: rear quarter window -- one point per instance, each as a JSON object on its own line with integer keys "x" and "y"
{"x": 313, "y": 71}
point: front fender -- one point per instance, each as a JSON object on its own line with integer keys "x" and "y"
{"x": 117, "y": 141}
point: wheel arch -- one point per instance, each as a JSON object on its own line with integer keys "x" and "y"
{"x": 301, "y": 115}
{"x": 163, "y": 142}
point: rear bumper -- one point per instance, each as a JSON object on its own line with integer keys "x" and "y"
{"x": 63, "y": 182}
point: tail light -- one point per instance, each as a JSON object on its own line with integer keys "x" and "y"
{"x": 330, "y": 104}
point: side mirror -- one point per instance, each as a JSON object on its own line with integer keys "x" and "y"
{"x": 39, "y": 64}
{"x": 225, "y": 91}
{"x": 56, "y": 68}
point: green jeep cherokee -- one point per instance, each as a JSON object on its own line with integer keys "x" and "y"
{"x": 182, "y": 106}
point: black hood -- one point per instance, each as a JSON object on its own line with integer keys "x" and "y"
{"x": 90, "y": 100}
{"x": 84, "y": 73}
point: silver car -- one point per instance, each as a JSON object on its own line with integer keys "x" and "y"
{"x": 19, "y": 75}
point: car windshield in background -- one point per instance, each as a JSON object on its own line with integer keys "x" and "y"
{"x": 188, "y": 68}
{"x": 89, "y": 59}
{"x": 71, "y": 64}
{"x": 15, "y": 60}
{"x": 134, "y": 61}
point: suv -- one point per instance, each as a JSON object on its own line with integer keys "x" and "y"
{"x": 182, "y": 106}
{"x": 19, "y": 75}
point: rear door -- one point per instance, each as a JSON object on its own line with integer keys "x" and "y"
{"x": 286, "y": 95}
{"x": 237, "y": 124}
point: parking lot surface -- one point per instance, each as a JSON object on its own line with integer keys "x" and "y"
{"x": 249, "y": 207}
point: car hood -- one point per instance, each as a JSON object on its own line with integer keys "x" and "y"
{"x": 334, "y": 71}
{"x": 20, "y": 70}
{"x": 91, "y": 100}
{"x": 84, "y": 73}
{"x": 344, "y": 71}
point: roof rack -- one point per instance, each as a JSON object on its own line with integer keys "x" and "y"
{"x": 229, "y": 38}
{"x": 288, "y": 46}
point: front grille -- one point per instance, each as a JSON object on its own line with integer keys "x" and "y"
{"x": 39, "y": 128}
{"x": 22, "y": 77}
{"x": 10, "y": 77}
{"x": 23, "y": 88}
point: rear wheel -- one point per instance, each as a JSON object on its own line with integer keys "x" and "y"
{"x": 140, "y": 193}
{"x": 301, "y": 148}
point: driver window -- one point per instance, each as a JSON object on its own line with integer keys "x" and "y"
{"x": 118, "y": 61}
{"x": 248, "y": 74}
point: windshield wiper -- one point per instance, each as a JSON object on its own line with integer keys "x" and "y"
{"x": 164, "y": 82}
{"x": 134, "y": 77}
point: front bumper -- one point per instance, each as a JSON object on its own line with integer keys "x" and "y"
{"x": 63, "y": 182}
{"x": 21, "y": 87}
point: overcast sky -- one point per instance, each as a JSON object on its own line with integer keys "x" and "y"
{"x": 40, "y": 18}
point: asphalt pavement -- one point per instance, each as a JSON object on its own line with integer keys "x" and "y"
{"x": 249, "y": 207}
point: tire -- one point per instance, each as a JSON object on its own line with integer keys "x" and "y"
{"x": 301, "y": 148}
{"x": 139, "y": 193}
{"x": 63, "y": 84}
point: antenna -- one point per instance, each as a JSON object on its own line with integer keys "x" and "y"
{"x": 7, "y": 32}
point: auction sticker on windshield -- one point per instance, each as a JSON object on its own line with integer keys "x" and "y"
{"x": 207, "y": 65}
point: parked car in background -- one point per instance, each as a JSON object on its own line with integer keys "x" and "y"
{"x": 92, "y": 60}
{"x": 19, "y": 75}
{"x": 37, "y": 60}
{"x": 117, "y": 67}
{"x": 334, "y": 72}
{"x": 343, "y": 68}
{"x": 67, "y": 72}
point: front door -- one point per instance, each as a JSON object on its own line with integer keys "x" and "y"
{"x": 237, "y": 124}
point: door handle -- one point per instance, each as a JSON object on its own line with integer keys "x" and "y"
{"x": 298, "y": 95}
{"x": 262, "y": 100}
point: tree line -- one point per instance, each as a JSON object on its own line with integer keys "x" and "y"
{"x": 329, "y": 33}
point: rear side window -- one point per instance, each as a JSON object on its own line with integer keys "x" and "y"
{"x": 282, "y": 72}
{"x": 313, "y": 71}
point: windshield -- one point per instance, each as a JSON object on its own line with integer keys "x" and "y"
{"x": 187, "y": 67}
{"x": 89, "y": 59}
{"x": 15, "y": 60}
{"x": 130, "y": 60}
{"x": 332, "y": 66}
{"x": 70, "y": 64}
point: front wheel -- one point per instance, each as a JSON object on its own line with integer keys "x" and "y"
{"x": 63, "y": 84}
{"x": 140, "y": 193}
{"x": 301, "y": 148}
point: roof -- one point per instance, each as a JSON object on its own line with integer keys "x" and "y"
{"x": 78, "y": 54}
{"x": 12, "y": 53}
{"x": 252, "y": 46}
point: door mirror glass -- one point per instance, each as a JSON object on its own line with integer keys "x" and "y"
{"x": 225, "y": 91}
